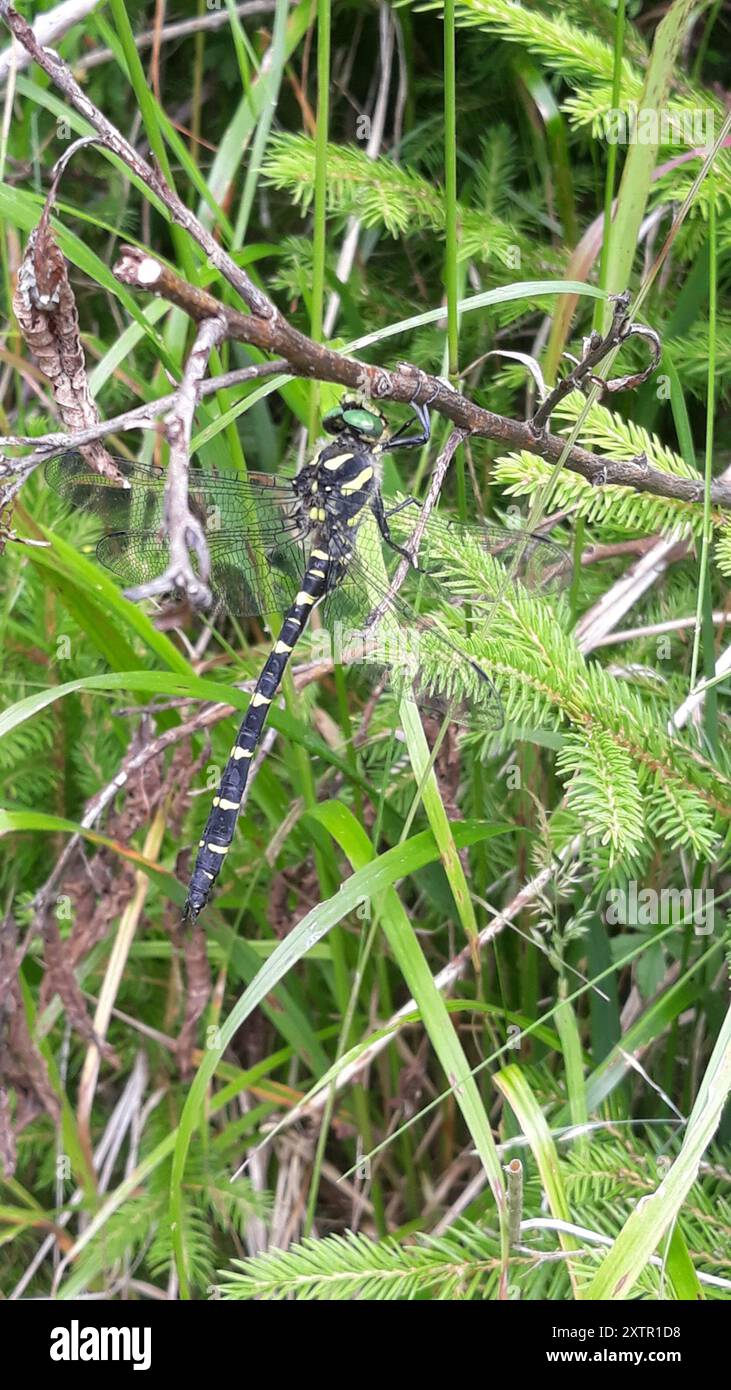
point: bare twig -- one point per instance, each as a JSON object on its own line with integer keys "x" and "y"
{"x": 48, "y": 28}
{"x": 184, "y": 530}
{"x": 514, "y": 1171}
{"x": 61, "y": 74}
{"x": 643, "y": 634}
{"x": 181, "y": 29}
{"x": 266, "y": 327}
{"x": 386, "y": 29}
{"x": 407, "y": 384}
{"x": 596, "y": 348}
{"x": 140, "y": 417}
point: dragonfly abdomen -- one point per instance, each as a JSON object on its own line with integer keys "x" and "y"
{"x": 221, "y": 822}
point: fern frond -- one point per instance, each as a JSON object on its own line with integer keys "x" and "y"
{"x": 677, "y": 814}
{"x": 684, "y": 123}
{"x": 691, "y": 354}
{"x": 627, "y": 774}
{"x": 384, "y": 194}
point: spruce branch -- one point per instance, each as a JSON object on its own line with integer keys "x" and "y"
{"x": 572, "y": 50}
{"x": 381, "y": 193}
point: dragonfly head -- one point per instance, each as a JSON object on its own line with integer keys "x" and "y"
{"x": 354, "y": 415}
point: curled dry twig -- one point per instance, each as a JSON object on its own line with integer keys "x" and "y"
{"x": 596, "y": 348}
{"x": 182, "y": 526}
{"x": 45, "y": 308}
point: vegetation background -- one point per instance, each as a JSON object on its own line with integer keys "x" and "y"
{"x": 392, "y": 176}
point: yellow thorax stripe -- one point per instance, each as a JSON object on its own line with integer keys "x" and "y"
{"x": 336, "y": 462}
{"x": 355, "y": 484}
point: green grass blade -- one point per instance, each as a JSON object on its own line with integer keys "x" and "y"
{"x": 375, "y": 877}
{"x": 450, "y": 188}
{"x": 413, "y": 965}
{"x": 439, "y": 821}
{"x": 649, "y": 1222}
{"x": 517, "y": 1092}
{"x": 642, "y": 155}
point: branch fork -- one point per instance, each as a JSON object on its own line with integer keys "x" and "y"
{"x": 595, "y": 348}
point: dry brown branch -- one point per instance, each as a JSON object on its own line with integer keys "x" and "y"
{"x": 140, "y": 417}
{"x": 407, "y": 384}
{"x": 596, "y": 349}
{"x": 61, "y": 74}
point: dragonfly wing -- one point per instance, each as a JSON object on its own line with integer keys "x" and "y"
{"x": 247, "y": 580}
{"x": 253, "y": 527}
{"x": 420, "y": 660}
{"x": 251, "y": 578}
{"x": 221, "y": 503}
{"x": 116, "y": 505}
{"x": 535, "y": 561}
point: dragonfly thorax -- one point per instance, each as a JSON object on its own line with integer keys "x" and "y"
{"x": 340, "y": 484}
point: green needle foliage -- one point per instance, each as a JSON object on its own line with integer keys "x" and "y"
{"x": 606, "y": 1177}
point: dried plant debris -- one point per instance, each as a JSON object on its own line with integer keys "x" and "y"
{"x": 198, "y": 992}
{"x": 60, "y": 979}
{"x": 303, "y": 883}
{"x": 23, "y": 1070}
{"x": 45, "y": 308}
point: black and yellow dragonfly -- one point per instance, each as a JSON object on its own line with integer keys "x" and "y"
{"x": 324, "y": 539}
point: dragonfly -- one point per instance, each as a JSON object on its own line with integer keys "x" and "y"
{"x": 324, "y": 539}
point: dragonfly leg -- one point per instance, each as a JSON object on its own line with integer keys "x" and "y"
{"x": 382, "y": 516}
{"x": 411, "y": 441}
{"x": 407, "y": 502}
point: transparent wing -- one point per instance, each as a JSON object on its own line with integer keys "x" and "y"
{"x": 136, "y": 504}
{"x": 255, "y": 536}
{"x": 448, "y": 545}
{"x": 246, "y": 580}
{"x": 407, "y": 646}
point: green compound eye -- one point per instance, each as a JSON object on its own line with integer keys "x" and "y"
{"x": 364, "y": 422}
{"x": 333, "y": 420}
